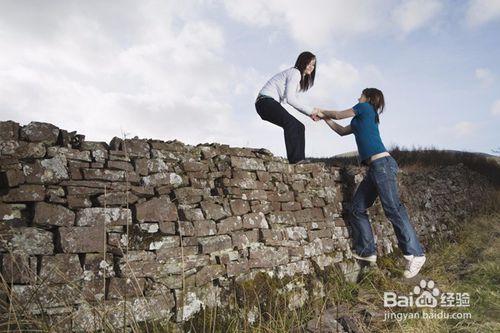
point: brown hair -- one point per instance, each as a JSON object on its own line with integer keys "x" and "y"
{"x": 376, "y": 99}
{"x": 306, "y": 81}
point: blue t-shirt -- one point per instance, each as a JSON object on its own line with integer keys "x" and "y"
{"x": 365, "y": 130}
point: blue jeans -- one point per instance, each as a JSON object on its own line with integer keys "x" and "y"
{"x": 381, "y": 179}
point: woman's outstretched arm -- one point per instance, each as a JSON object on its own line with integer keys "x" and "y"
{"x": 332, "y": 114}
{"x": 339, "y": 129}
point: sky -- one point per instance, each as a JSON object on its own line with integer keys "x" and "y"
{"x": 190, "y": 70}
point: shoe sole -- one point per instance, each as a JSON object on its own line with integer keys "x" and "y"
{"x": 364, "y": 258}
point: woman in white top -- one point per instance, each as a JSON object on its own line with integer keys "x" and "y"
{"x": 283, "y": 87}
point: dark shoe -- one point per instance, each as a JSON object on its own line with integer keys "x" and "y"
{"x": 304, "y": 161}
{"x": 263, "y": 151}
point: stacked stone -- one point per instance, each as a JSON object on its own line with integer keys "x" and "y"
{"x": 276, "y": 214}
{"x": 160, "y": 228}
{"x": 141, "y": 220}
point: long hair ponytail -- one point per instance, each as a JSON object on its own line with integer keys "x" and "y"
{"x": 376, "y": 99}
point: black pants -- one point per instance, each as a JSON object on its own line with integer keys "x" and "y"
{"x": 272, "y": 111}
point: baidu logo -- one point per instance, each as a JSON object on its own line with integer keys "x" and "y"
{"x": 426, "y": 294}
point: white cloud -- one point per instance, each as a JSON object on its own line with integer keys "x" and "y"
{"x": 339, "y": 83}
{"x": 495, "y": 108}
{"x": 482, "y": 11}
{"x": 166, "y": 69}
{"x": 259, "y": 13}
{"x": 484, "y": 76}
{"x": 103, "y": 69}
{"x": 340, "y": 74}
{"x": 465, "y": 128}
{"x": 311, "y": 22}
{"x": 333, "y": 78}
{"x": 319, "y": 22}
{"x": 411, "y": 15}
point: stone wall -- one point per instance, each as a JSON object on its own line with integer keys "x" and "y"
{"x": 160, "y": 228}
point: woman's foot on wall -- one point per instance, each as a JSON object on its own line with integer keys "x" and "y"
{"x": 372, "y": 258}
{"x": 413, "y": 265}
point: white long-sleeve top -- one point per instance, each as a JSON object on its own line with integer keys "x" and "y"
{"x": 284, "y": 87}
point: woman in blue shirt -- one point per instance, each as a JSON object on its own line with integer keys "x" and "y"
{"x": 380, "y": 179}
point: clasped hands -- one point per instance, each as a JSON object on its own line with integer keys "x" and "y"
{"x": 317, "y": 114}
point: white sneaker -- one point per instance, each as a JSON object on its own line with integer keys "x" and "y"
{"x": 372, "y": 258}
{"x": 413, "y": 265}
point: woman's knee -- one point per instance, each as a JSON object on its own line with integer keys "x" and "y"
{"x": 297, "y": 126}
{"x": 394, "y": 210}
{"x": 259, "y": 112}
{"x": 357, "y": 212}
{"x": 294, "y": 125}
